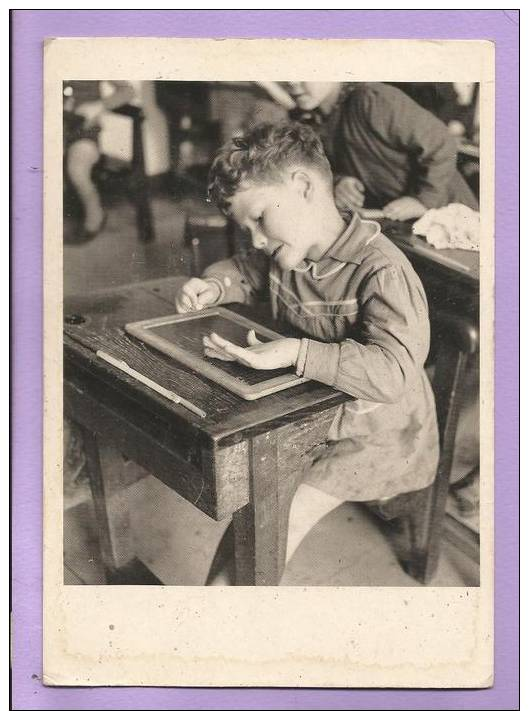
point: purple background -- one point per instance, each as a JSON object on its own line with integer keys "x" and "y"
{"x": 30, "y": 27}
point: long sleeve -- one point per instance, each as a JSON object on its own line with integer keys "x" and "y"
{"x": 414, "y": 130}
{"x": 240, "y": 278}
{"x": 390, "y": 345}
{"x": 395, "y": 147}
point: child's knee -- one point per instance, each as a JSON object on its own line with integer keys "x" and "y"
{"x": 309, "y": 499}
{"x": 309, "y": 506}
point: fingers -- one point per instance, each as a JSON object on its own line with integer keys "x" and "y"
{"x": 398, "y": 213}
{"x": 356, "y": 198}
{"x": 189, "y": 290}
{"x": 392, "y": 213}
{"x": 194, "y": 295}
{"x": 350, "y": 192}
{"x": 205, "y": 298}
{"x": 183, "y": 305}
{"x": 227, "y": 347}
{"x": 214, "y": 350}
{"x": 220, "y": 355}
{"x": 217, "y": 347}
{"x": 394, "y": 210}
{"x": 209, "y": 294}
{"x": 280, "y": 353}
{"x": 404, "y": 208}
{"x": 252, "y": 338}
{"x": 359, "y": 185}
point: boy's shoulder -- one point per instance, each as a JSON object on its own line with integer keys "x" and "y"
{"x": 375, "y": 96}
{"x": 363, "y": 245}
{"x": 381, "y": 253}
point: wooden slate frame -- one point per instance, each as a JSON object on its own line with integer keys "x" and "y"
{"x": 144, "y": 330}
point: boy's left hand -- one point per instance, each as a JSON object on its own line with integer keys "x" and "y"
{"x": 280, "y": 353}
{"x": 404, "y": 208}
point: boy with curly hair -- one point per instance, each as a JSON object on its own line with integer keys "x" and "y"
{"x": 354, "y": 296}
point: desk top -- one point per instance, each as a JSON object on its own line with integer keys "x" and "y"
{"x": 456, "y": 264}
{"x": 96, "y": 322}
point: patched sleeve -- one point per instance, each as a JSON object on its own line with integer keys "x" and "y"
{"x": 241, "y": 278}
{"x": 391, "y": 346}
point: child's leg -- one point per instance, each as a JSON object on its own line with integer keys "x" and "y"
{"x": 81, "y": 158}
{"x": 309, "y": 506}
{"x": 222, "y": 570}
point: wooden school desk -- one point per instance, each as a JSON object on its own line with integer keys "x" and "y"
{"x": 450, "y": 276}
{"x": 240, "y": 461}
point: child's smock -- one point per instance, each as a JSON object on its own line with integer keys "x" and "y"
{"x": 365, "y": 315}
{"x": 395, "y": 147}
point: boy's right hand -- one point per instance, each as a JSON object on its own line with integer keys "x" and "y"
{"x": 196, "y": 294}
{"x": 349, "y": 193}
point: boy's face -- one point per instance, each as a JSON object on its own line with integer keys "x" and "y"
{"x": 281, "y": 218}
{"x": 309, "y": 94}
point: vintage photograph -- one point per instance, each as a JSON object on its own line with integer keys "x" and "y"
{"x": 268, "y": 352}
{"x": 271, "y": 299}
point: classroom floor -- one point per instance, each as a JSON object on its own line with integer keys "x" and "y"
{"x": 348, "y": 547}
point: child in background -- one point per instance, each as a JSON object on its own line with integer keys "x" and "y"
{"x": 83, "y": 106}
{"x": 351, "y": 292}
{"x": 386, "y": 151}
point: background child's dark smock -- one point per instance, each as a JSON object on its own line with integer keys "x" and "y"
{"x": 365, "y": 315}
{"x": 395, "y": 147}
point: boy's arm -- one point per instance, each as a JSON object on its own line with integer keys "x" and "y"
{"x": 394, "y": 342}
{"x": 404, "y": 124}
{"x": 240, "y": 278}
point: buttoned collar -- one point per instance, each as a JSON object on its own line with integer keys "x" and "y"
{"x": 347, "y": 249}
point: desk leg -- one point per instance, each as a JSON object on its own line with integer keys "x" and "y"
{"x": 105, "y": 467}
{"x": 450, "y": 369}
{"x": 261, "y": 527}
{"x": 140, "y": 186}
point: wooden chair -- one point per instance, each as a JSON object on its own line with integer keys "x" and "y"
{"x": 211, "y": 237}
{"x": 138, "y": 186}
{"x": 208, "y": 237}
{"x": 421, "y": 513}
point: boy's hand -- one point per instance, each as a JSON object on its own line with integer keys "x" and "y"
{"x": 280, "y": 353}
{"x": 195, "y": 295}
{"x": 404, "y": 208}
{"x": 349, "y": 193}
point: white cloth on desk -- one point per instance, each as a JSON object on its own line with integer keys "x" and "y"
{"x": 455, "y": 226}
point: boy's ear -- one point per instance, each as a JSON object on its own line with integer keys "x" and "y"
{"x": 303, "y": 183}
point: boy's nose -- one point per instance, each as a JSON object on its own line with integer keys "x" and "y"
{"x": 259, "y": 241}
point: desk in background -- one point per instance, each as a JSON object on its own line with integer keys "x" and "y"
{"x": 450, "y": 276}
